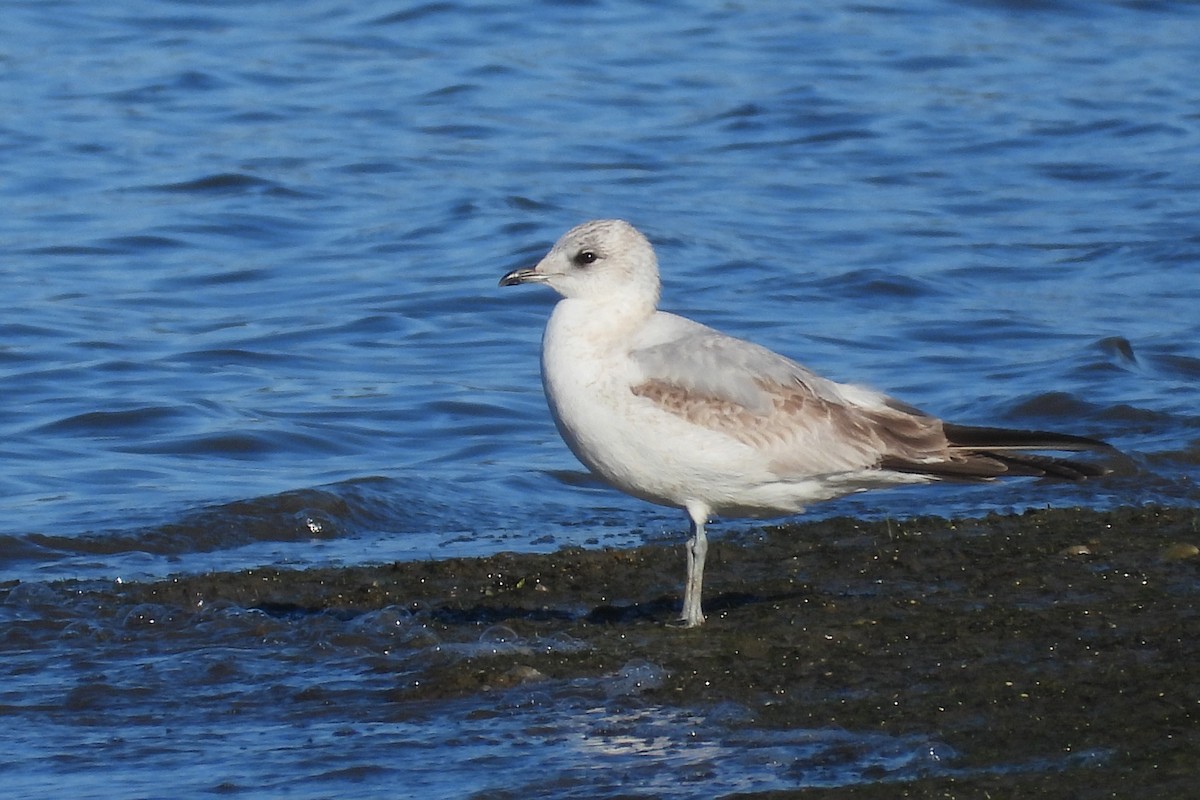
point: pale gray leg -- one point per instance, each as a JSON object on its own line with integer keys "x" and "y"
{"x": 697, "y": 548}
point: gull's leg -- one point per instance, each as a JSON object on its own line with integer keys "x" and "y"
{"x": 697, "y": 548}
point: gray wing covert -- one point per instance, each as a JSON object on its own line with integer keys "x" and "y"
{"x": 802, "y": 422}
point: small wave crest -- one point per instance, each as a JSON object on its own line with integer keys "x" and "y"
{"x": 300, "y": 515}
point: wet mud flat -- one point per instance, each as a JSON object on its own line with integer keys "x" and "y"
{"x": 1056, "y": 653}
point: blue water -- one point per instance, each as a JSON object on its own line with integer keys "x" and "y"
{"x": 249, "y": 255}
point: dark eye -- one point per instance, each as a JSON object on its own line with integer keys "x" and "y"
{"x": 584, "y": 257}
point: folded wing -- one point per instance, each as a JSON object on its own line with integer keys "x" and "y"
{"x": 807, "y": 425}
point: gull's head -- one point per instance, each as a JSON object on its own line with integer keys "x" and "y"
{"x": 604, "y": 260}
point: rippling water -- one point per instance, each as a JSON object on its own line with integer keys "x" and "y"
{"x": 250, "y": 252}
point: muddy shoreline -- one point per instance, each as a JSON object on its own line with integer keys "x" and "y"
{"x": 1057, "y": 652}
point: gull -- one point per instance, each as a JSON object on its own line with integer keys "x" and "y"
{"x": 679, "y": 414}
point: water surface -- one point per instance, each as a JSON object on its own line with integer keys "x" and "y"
{"x": 250, "y": 252}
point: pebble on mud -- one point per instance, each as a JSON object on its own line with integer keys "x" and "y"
{"x": 1180, "y": 551}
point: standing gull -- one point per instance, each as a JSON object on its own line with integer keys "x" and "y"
{"x": 679, "y": 414}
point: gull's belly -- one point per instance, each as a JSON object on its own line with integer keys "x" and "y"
{"x": 653, "y": 454}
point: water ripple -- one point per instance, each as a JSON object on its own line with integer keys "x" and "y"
{"x": 250, "y": 304}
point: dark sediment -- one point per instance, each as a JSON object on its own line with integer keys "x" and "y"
{"x": 1068, "y": 639}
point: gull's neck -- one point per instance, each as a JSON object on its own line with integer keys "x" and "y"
{"x": 602, "y": 324}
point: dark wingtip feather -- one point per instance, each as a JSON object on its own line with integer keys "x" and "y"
{"x": 1049, "y": 466}
{"x": 973, "y": 437}
{"x": 978, "y": 453}
{"x": 1000, "y": 444}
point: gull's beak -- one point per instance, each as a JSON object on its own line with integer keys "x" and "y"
{"x": 523, "y": 275}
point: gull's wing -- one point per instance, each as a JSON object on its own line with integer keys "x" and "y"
{"x": 808, "y": 425}
{"x": 803, "y": 423}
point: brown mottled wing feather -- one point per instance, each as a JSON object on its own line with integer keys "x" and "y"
{"x": 807, "y": 425}
{"x": 802, "y": 431}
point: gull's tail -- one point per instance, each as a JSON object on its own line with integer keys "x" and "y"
{"x": 977, "y": 453}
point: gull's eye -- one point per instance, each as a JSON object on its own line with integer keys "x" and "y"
{"x": 584, "y": 257}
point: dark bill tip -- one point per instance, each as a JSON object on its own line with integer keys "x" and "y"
{"x": 521, "y": 275}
